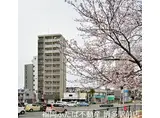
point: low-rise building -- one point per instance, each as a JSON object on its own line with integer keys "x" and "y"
{"x": 20, "y": 95}
{"x": 26, "y": 95}
{"x": 29, "y": 96}
{"x": 75, "y": 93}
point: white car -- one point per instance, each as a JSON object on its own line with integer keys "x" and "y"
{"x": 57, "y": 108}
{"x": 72, "y": 104}
{"x": 61, "y": 103}
{"x": 21, "y": 109}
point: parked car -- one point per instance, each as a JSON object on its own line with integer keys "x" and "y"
{"x": 62, "y": 103}
{"x": 21, "y": 109}
{"x": 83, "y": 104}
{"x": 23, "y": 104}
{"x": 32, "y": 107}
{"x": 42, "y": 105}
{"x": 57, "y": 108}
{"x": 72, "y": 104}
{"x": 49, "y": 107}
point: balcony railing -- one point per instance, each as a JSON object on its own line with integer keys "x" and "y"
{"x": 52, "y": 51}
{"x": 52, "y": 62}
{"x": 51, "y": 57}
{"x": 40, "y": 52}
{"x": 52, "y": 46}
{"x": 40, "y": 57}
{"x": 40, "y": 46}
{"x": 52, "y": 40}
{"x": 52, "y": 72}
{"x": 51, "y": 68}
{"x": 52, "y": 90}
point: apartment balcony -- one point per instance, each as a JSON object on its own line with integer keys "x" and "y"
{"x": 40, "y": 46}
{"x": 51, "y": 90}
{"x": 52, "y": 72}
{"x": 52, "y": 62}
{"x": 40, "y": 78}
{"x": 51, "y": 57}
{"x": 40, "y": 63}
{"x": 40, "y": 74}
{"x": 51, "y": 68}
{"x": 52, "y": 65}
{"x": 52, "y": 46}
{"x": 51, "y": 85}
{"x": 40, "y": 53}
{"x": 40, "y": 69}
{"x": 51, "y": 79}
{"x": 48, "y": 57}
{"x": 52, "y": 40}
{"x": 40, "y": 41}
{"x": 40, "y": 57}
{"x": 51, "y": 51}
{"x": 56, "y": 73}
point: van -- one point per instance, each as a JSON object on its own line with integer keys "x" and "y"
{"x": 57, "y": 108}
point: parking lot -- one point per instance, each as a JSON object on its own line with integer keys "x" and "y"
{"x": 73, "y": 112}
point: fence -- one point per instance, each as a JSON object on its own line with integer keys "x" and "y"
{"x": 117, "y": 112}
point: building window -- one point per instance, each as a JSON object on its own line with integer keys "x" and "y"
{"x": 40, "y": 37}
{"x": 27, "y": 94}
{"x": 70, "y": 95}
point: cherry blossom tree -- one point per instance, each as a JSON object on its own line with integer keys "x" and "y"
{"x": 112, "y": 50}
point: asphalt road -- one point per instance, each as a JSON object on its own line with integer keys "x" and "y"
{"x": 80, "y": 112}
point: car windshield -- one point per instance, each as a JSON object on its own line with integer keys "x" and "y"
{"x": 29, "y": 104}
{"x": 59, "y": 102}
{"x": 58, "y": 105}
{"x": 34, "y": 104}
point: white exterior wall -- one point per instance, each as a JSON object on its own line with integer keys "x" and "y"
{"x": 74, "y": 95}
{"x": 35, "y": 76}
{"x": 50, "y": 101}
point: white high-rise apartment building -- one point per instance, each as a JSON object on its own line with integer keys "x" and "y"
{"x": 51, "y": 67}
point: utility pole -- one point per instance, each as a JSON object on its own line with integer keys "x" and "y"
{"x": 122, "y": 95}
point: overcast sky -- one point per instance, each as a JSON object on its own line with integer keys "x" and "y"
{"x": 37, "y": 17}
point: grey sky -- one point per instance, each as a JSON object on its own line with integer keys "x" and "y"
{"x": 38, "y": 17}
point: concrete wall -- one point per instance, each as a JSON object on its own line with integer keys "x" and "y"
{"x": 26, "y": 95}
{"x": 83, "y": 95}
{"x": 70, "y": 95}
{"x": 29, "y": 96}
{"x": 62, "y": 71}
{"x": 28, "y": 75}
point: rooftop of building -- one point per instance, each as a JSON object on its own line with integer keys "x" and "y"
{"x": 49, "y": 35}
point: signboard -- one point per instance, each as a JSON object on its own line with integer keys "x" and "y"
{"x": 111, "y": 97}
{"x": 125, "y": 91}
